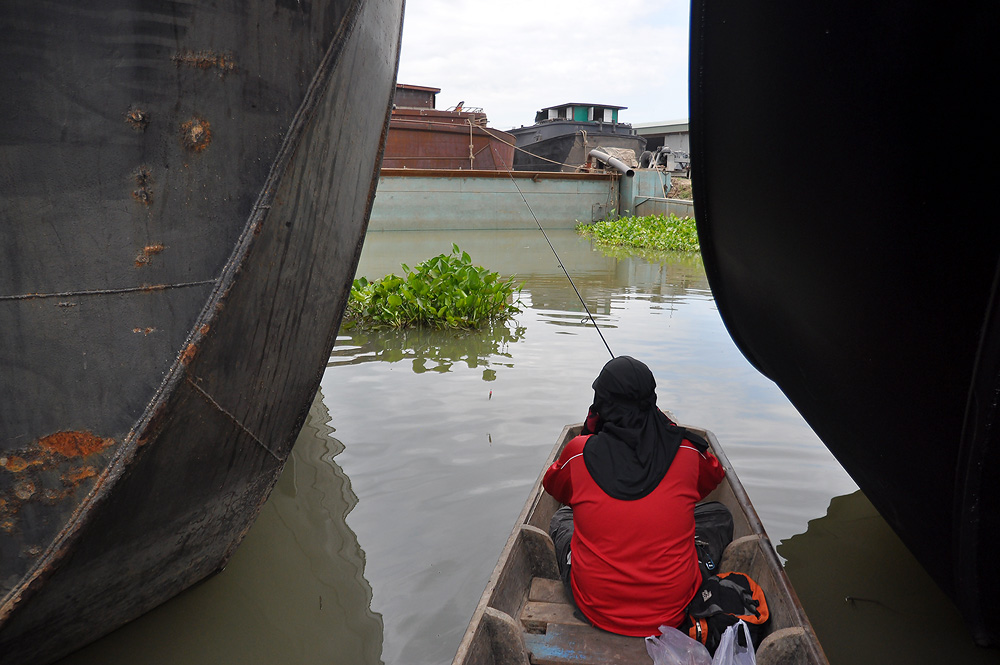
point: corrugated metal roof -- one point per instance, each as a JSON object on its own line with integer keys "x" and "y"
{"x": 661, "y": 127}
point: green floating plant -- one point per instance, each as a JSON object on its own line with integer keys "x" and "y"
{"x": 661, "y": 232}
{"x": 445, "y": 291}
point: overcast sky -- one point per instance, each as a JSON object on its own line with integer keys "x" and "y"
{"x": 515, "y": 57}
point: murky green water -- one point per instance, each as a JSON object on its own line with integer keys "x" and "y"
{"x": 379, "y": 538}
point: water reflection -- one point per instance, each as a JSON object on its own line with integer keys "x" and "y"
{"x": 855, "y": 577}
{"x": 430, "y": 350}
{"x": 294, "y": 591}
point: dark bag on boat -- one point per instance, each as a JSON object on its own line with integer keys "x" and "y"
{"x": 713, "y": 531}
{"x": 721, "y": 601}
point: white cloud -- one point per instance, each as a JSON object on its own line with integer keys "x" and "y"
{"x": 515, "y": 57}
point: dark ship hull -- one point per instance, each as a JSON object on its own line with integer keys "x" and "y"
{"x": 875, "y": 309}
{"x": 565, "y": 145}
{"x": 185, "y": 193}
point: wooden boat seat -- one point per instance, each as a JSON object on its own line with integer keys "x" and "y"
{"x": 548, "y": 602}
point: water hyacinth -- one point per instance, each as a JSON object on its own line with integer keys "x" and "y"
{"x": 445, "y": 291}
{"x": 661, "y": 232}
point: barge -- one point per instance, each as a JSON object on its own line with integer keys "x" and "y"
{"x": 563, "y": 136}
{"x": 877, "y": 315}
{"x": 423, "y": 137}
{"x": 186, "y": 188}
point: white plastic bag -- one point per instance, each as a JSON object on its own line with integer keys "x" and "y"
{"x": 730, "y": 652}
{"x": 672, "y": 647}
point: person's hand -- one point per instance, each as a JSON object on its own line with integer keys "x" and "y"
{"x": 593, "y": 423}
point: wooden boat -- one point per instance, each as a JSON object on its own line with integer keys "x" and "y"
{"x": 185, "y": 193}
{"x": 563, "y": 136}
{"x": 877, "y": 312}
{"x": 423, "y": 137}
{"x": 525, "y": 615}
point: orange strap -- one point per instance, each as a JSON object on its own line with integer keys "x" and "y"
{"x": 699, "y": 630}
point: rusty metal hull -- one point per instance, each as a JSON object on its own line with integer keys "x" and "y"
{"x": 430, "y": 139}
{"x": 878, "y": 320}
{"x": 185, "y": 191}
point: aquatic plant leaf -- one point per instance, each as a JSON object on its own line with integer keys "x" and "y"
{"x": 445, "y": 291}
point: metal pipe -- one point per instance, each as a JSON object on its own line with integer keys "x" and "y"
{"x": 613, "y": 162}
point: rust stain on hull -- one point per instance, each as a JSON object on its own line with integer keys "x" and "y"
{"x": 190, "y": 351}
{"x": 24, "y": 490}
{"x": 48, "y": 470}
{"x": 74, "y": 476}
{"x": 147, "y": 253}
{"x": 225, "y": 63}
{"x": 14, "y": 464}
{"x": 196, "y": 134}
{"x": 143, "y": 193}
{"x": 74, "y": 444}
{"x": 137, "y": 118}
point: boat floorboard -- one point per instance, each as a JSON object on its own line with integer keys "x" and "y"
{"x": 583, "y": 645}
{"x": 555, "y": 635}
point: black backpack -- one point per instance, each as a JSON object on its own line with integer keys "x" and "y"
{"x": 721, "y": 601}
{"x": 713, "y": 530}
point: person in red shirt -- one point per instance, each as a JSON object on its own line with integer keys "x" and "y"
{"x": 625, "y": 536}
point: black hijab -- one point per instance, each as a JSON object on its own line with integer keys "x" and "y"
{"x": 636, "y": 442}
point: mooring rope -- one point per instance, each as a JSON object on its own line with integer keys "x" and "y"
{"x": 527, "y": 152}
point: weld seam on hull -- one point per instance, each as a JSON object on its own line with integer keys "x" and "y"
{"x": 234, "y": 419}
{"x": 102, "y": 292}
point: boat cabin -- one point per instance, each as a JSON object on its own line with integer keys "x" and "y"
{"x": 415, "y": 97}
{"x": 580, "y": 113}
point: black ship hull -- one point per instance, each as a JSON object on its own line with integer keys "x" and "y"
{"x": 874, "y": 308}
{"x": 186, "y": 189}
{"x": 565, "y": 145}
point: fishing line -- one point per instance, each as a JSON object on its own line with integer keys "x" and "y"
{"x": 556, "y": 254}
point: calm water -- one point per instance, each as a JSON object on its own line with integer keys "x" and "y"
{"x": 421, "y": 448}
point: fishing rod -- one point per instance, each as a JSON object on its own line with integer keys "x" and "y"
{"x": 555, "y": 253}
